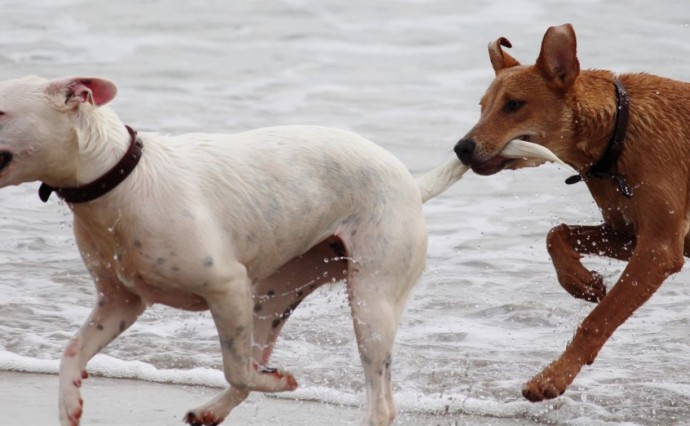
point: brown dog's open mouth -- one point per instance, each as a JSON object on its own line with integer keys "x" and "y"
{"x": 516, "y": 149}
{"x": 5, "y": 159}
{"x": 496, "y": 163}
{"x": 491, "y": 166}
{"x": 523, "y": 148}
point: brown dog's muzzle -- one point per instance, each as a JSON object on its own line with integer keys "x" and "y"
{"x": 466, "y": 149}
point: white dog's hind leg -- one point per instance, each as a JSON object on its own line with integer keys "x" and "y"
{"x": 388, "y": 261}
{"x": 375, "y": 321}
{"x": 115, "y": 311}
{"x": 231, "y": 309}
{"x": 275, "y": 298}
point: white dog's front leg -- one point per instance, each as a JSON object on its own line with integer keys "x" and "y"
{"x": 115, "y": 311}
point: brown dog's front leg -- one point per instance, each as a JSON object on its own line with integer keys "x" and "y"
{"x": 656, "y": 257}
{"x": 566, "y": 245}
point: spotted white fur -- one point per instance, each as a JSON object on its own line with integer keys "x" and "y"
{"x": 239, "y": 224}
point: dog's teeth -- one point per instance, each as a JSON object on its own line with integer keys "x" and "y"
{"x": 518, "y": 148}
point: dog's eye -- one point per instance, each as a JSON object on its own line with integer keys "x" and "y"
{"x": 513, "y": 105}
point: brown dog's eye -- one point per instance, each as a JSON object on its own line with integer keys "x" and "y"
{"x": 513, "y": 105}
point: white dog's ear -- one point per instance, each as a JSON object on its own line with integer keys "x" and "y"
{"x": 71, "y": 92}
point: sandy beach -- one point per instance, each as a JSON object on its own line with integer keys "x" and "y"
{"x": 31, "y": 400}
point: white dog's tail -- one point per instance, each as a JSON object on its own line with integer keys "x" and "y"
{"x": 441, "y": 178}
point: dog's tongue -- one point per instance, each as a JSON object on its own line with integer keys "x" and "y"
{"x": 522, "y": 149}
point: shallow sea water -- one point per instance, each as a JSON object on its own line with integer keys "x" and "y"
{"x": 487, "y": 314}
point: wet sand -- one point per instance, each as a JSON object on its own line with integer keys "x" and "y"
{"x": 31, "y": 399}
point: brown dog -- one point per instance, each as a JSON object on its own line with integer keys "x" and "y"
{"x": 628, "y": 136}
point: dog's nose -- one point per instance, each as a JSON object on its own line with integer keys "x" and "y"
{"x": 464, "y": 150}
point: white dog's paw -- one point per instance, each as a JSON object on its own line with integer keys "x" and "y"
{"x": 274, "y": 380}
{"x": 71, "y": 406}
{"x": 216, "y": 410}
{"x": 70, "y": 402}
{"x": 202, "y": 417}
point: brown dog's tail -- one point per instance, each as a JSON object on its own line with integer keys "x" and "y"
{"x": 441, "y": 178}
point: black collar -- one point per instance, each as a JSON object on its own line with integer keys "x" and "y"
{"x": 603, "y": 167}
{"x": 105, "y": 183}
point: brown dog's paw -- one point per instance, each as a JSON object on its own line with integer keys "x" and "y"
{"x": 586, "y": 285}
{"x": 595, "y": 289}
{"x": 552, "y": 381}
{"x": 541, "y": 388}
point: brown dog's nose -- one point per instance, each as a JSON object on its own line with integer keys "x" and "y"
{"x": 464, "y": 150}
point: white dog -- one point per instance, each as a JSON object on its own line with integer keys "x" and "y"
{"x": 245, "y": 225}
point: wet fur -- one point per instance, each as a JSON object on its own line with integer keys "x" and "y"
{"x": 572, "y": 113}
{"x": 244, "y": 225}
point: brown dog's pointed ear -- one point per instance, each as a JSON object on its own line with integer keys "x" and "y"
{"x": 500, "y": 59}
{"x": 558, "y": 57}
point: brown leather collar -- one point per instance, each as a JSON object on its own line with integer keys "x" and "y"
{"x": 105, "y": 183}
{"x": 603, "y": 167}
